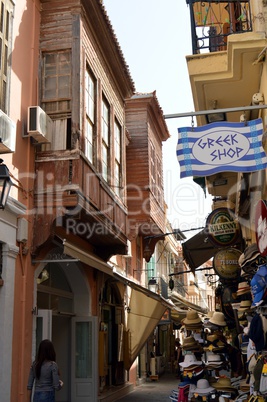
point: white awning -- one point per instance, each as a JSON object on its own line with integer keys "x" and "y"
{"x": 182, "y": 302}
{"x": 146, "y": 309}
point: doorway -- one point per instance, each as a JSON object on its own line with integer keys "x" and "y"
{"x": 62, "y": 296}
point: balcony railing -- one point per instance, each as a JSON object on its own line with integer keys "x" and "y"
{"x": 213, "y": 21}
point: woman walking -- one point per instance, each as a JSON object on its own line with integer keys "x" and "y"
{"x": 44, "y": 378}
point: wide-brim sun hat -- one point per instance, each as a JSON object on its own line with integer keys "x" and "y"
{"x": 203, "y": 387}
{"x": 213, "y": 358}
{"x": 189, "y": 361}
{"x": 192, "y": 317}
{"x": 224, "y": 384}
{"x": 218, "y": 319}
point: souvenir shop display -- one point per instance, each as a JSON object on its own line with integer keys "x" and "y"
{"x": 225, "y": 357}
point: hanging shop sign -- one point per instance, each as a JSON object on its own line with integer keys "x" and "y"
{"x": 223, "y": 228}
{"x": 225, "y": 263}
{"x": 221, "y": 147}
{"x": 261, "y": 226}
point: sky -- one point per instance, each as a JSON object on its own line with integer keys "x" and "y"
{"x": 155, "y": 38}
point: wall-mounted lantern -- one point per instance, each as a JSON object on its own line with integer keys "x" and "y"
{"x": 153, "y": 285}
{"x": 5, "y": 184}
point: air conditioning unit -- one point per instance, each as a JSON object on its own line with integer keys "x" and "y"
{"x": 39, "y": 125}
{"x": 7, "y": 134}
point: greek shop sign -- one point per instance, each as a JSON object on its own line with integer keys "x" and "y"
{"x": 221, "y": 147}
{"x": 223, "y": 229}
{"x": 261, "y": 226}
{"x": 225, "y": 263}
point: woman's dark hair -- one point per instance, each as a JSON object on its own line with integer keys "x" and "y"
{"x": 46, "y": 352}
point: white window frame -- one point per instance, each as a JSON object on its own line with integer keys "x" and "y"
{"x": 105, "y": 135}
{"x": 90, "y": 107}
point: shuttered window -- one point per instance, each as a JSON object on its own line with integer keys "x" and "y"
{"x": 56, "y": 81}
{"x": 5, "y": 50}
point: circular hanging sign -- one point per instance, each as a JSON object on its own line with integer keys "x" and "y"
{"x": 223, "y": 229}
{"x": 261, "y": 226}
{"x": 225, "y": 263}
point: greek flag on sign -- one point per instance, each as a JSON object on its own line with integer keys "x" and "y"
{"x": 221, "y": 147}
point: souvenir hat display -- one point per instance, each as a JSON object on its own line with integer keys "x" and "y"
{"x": 208, "y": 317}
{"x": 192, "y": 320}
{"x": 218, "y": 319}
{"x": 214, "y": 361}
{"x": 248, "y": 257}
{"x": 190, "y": 361}
{"x": 245, "y": 307}
{"x": 243, "y": 288}
{"x": 214, "y": 344}
{"x": 224, "y": 384}
{"x": 211, "y": 370}
{"x": 258, "y": 285}
{"x": 203, "y": 387}
{"x": 190, "y": 344}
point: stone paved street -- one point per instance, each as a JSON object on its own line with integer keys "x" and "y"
{"x": 153, "y": 390}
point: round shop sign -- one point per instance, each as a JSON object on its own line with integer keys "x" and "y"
{"x": 223, "y": 229}
{"x": 225, "y": 263}
{"x": 261, "y": 226}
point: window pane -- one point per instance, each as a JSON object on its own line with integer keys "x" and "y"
{"x": 83, "y": 352}
{"x": 64, "y": 87}
{"x": 89, "y": 141}
{"x": 56, "y": 76}
{"x": 117, "y": 142}
{"x": 105, "y": 162}
{"x": 49, "y": 89}
{"x": 2, "y": 17}
{"x": 90, "y": 115}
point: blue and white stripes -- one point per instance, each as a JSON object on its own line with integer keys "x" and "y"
{"x": 221, "y": 147}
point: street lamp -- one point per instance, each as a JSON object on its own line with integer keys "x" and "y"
{"x": 5, "y": 184}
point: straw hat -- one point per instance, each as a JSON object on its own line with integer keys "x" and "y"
{"x": 189, "y": 341}
{"x": 243, "y": 288}
{"x": 224, "y": 384}
{"x": 245, "y": 305}
{"x": 190, "y": 360}
{"x": 203, "y": 387}
{"x": 218, "y": 319}
{"x": 210, "y": 314}
{"x": 213, "y": 359}
{"x": 192, "y": 317}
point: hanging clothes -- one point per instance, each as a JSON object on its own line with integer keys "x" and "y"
{"x": 256, "y": 333}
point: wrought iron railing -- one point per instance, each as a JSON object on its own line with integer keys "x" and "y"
{"x": 212, "y": 21}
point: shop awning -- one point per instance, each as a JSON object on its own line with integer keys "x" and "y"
{"x": 146, "y": 309}
{"x": 182, "y": 302}
{"x": 87, "y": 258}
{"x": 198, "y": 250}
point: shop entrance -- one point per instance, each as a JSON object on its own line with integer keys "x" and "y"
{"x": 73, "y": 337}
